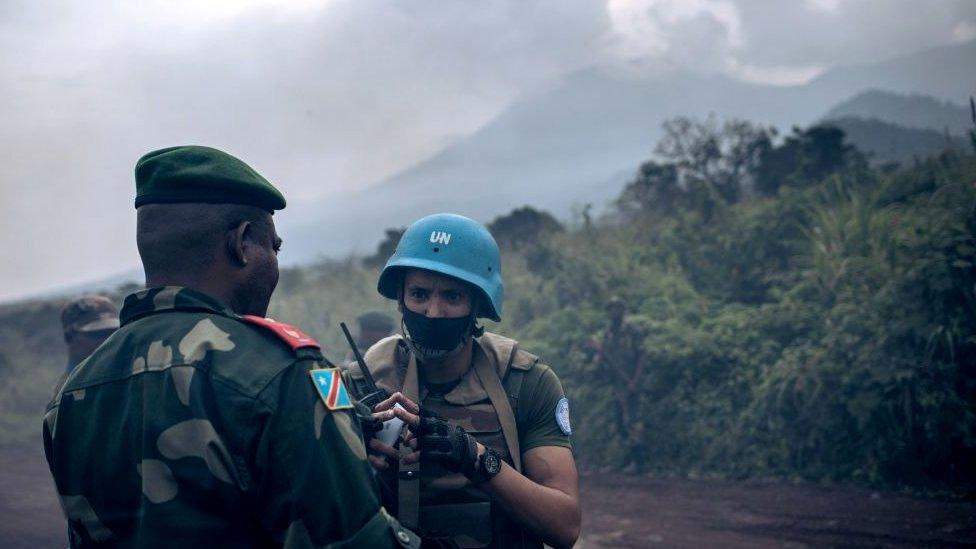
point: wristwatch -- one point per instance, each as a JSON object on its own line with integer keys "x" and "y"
{"x": 489, "y": 465}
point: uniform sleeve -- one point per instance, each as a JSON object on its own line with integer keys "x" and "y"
{"x": 314, "y": 486}
{"x": 539, "y": 400}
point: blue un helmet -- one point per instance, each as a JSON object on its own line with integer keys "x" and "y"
{"x": 451, "y": 245}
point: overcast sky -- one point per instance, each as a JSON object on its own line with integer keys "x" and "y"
{"x": 327, "y": 96}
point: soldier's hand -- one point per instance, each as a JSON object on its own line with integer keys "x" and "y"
{"x": 386, "y": 410}
{"x": 411, "y": 441}
{"x": 436, "y": 437}
{"x": 446, "y": 442}
{"x": 381, "y": 455}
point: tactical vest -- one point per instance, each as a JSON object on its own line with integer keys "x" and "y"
{"x": 442, "y": 505}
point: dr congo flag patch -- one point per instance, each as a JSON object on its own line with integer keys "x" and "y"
{"x": 328, "y": 382}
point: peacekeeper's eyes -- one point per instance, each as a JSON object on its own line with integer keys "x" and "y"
{"x": 453, "y": 296}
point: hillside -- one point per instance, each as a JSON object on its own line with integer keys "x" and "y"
{"x": 578, "y": 141}
{"x": 885, "y": 143}
{"x": 908, "y": 111}
{"x": 815, "y": 326}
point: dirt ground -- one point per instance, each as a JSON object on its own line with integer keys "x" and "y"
{"x": 626, "y": 511}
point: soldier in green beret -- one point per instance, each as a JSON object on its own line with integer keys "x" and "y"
{"x": 201, "y": 423}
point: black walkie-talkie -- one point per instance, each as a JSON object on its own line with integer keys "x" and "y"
{"x": 374, "y": 394}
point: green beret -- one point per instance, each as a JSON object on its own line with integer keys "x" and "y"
{"x": 201, "y": 174}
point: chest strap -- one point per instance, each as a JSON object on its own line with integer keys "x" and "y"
{"x": 408, "y": 483}
{"x": 496, "y": 394}
{"x": 513, "y": 387}
{"x": 501, "y": 398}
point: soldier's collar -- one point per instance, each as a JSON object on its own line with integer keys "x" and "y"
{"x": 169, "y": 298}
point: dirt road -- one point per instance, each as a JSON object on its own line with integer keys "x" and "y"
{"x": 626, "y": 511}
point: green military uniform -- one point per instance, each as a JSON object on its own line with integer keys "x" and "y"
{"x": 451, "y": 507}
{"x": 195, "y": 427}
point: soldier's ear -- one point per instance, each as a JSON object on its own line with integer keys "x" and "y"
{"x": 238, "y": 241}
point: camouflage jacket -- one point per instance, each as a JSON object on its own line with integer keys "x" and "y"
{"x": 191, "y": 427}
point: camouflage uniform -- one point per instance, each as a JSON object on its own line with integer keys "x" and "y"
{"x": 191, "y": 427}
{"x": 451, "y": 508}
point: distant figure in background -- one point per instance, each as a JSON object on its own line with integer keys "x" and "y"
{"x": 373, "y": 326}
{"x": 87, "y": 321}
{"x": 620, "y": 350}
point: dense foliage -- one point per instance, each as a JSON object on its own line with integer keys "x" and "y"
{"x": 793, "y": 312}
{"x": 823, "y": 326}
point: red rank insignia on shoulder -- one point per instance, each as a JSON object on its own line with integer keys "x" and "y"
{"x": 293, "y": 336}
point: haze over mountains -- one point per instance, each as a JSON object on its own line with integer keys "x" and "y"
{"x": 885, "y": 143}
{"x": 580, "y": 140}
{"x": 910, "y": 111}
{"x": 890, "y": 127}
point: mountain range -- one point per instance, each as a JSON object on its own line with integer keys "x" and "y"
{"x": 578, "y": 141}
{"x": 910, "y": 111}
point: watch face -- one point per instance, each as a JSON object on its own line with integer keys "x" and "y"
{"x": 492, "y": 463}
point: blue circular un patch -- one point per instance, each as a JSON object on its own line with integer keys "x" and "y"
{"x": 562, "y": 416}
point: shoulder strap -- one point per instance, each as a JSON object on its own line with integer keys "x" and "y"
{"x": 496, "y": 394}
{"x": 513, "y": 388}
{"x": 291, "y": 335}
{"x": 303, "y": 345}
{"x": 519, "y": 363}
{"x": 408, "y": 485}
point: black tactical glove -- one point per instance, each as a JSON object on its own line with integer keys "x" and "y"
{"x": 447, "y": 443}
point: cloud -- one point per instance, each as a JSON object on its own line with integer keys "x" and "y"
{"x": 776, "y": 42}
{"x": 704, "y": 36}
{"x": 321, "y": 98}
{"x": 828, "y": 33}
{"x": 327, "y": 96}
{"x": 670, "y": 34}
{"x": 964, "y": 31}
{"x": 826, "y": 6}
{"x": 773, "y": 75}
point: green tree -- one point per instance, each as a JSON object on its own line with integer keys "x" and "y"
{"x": 523, "y": 227}
{"x": 805, "y": 158}
{"x": 385, "y": 248}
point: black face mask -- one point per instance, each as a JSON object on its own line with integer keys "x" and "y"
{"x": 433, "y": 338}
